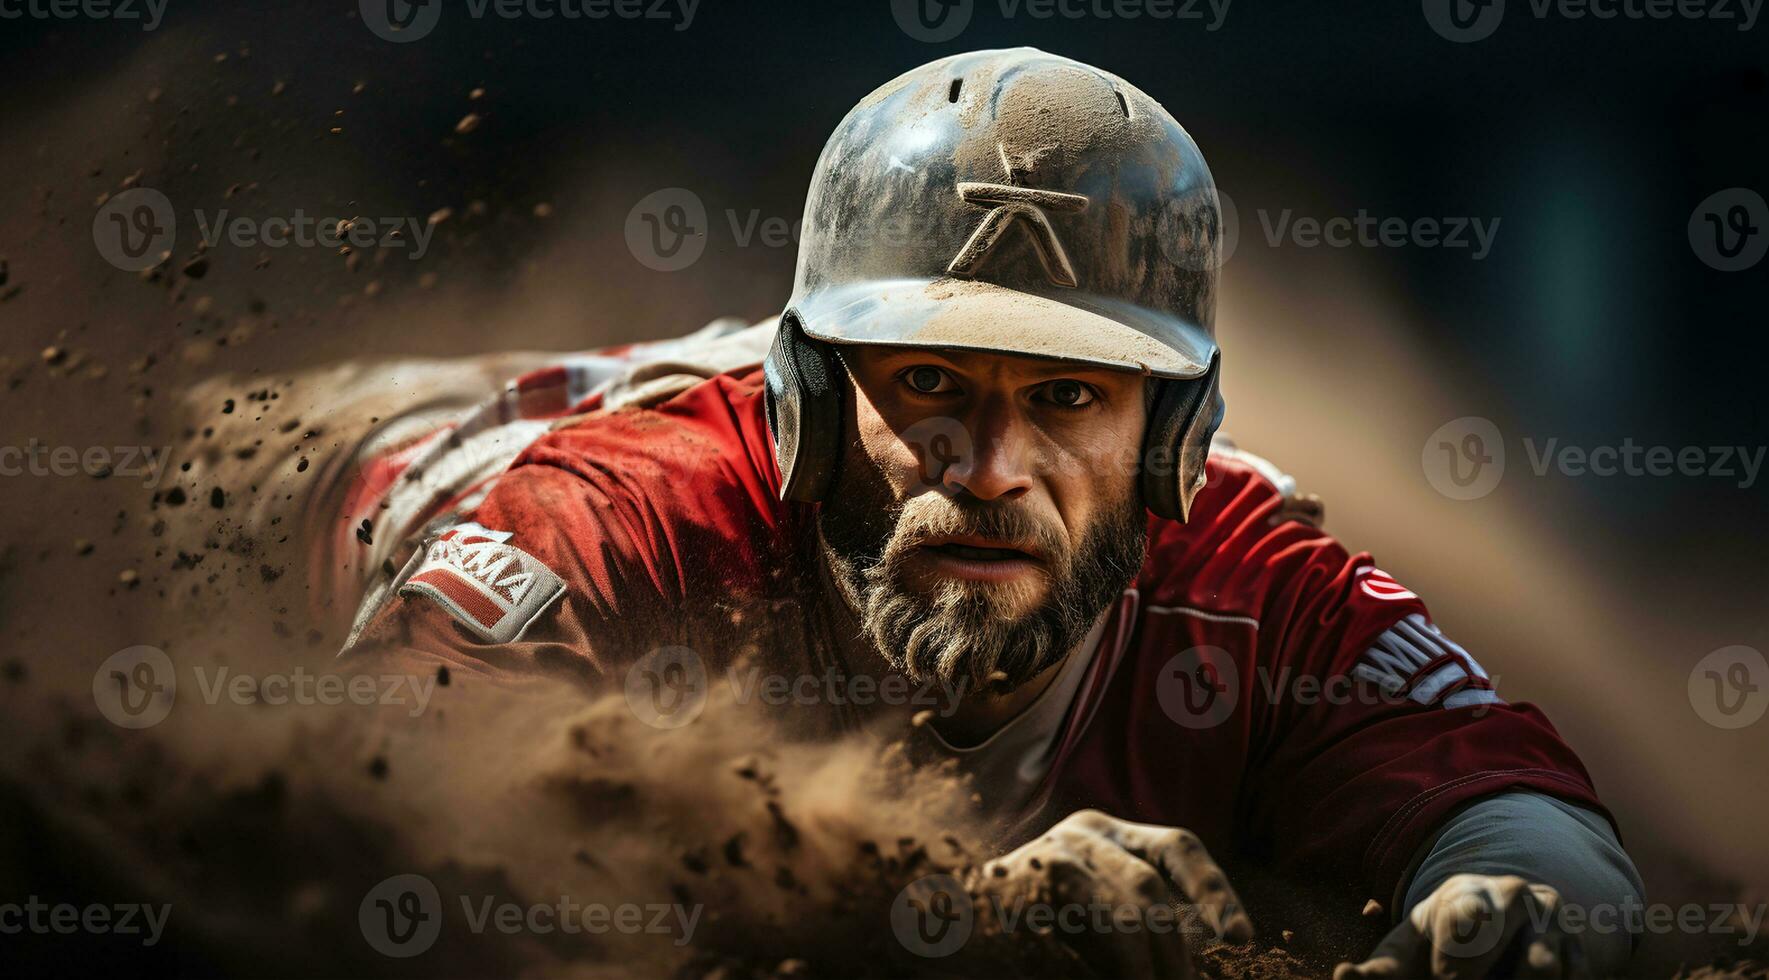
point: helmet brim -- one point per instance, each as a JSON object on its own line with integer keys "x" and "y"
{"x": 962, "y": 314}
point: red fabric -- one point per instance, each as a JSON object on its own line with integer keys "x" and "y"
{"x": 657, "y": 518}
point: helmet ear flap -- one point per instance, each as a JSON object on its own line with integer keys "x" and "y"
{"x": 1177, "y": 445}
{"x": 804, "y": 382}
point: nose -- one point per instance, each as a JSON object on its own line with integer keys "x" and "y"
{"x": 997, "y": 465}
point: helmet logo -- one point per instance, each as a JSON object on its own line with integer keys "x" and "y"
{"x": 1012, "y": 203}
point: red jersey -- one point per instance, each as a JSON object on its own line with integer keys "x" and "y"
{"x": 1256, "y": 684}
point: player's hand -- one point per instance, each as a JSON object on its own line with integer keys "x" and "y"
{"x": 1091, "y": 859}
{"x": 1477, "y": 926}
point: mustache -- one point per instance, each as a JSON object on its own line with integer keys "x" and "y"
{"x": 932, "y": 516}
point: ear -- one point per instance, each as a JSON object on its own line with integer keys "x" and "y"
{"x": 804, "y": 405}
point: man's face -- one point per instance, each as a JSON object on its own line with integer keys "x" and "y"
{"x": 985, "y": 511}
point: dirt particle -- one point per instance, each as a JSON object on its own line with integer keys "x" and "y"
{"x": 734, "y": 852}
{"x": 468, "y": 123}
{"x": 129, "y": 578}
{"x": 217, "y": 498}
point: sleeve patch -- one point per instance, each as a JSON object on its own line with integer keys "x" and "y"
{"x": 1378, "y": 584}
{"x": 491, "y": 587}
{"x": 1413, "y": 659}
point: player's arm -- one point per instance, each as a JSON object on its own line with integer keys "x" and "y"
{"x": 1423, "y": 783}
{"x": 539, "y": 583}
{"x": 1487, "y": 897}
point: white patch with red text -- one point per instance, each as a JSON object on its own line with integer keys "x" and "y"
{"x": 1378, "y": 584}
{"x": 493, "y": 588}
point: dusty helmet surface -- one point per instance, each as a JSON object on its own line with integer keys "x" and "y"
{"x": 1014, "y": 201}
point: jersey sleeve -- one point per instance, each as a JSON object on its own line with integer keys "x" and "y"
{"x": 1370, "y": 724}
{"x": 583, "y": 556}
{"x": 530, "y": 584}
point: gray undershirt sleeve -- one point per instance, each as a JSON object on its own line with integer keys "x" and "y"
{"x": 1545, "y": 840}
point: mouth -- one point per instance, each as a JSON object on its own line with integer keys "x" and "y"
{"x": 981, "y": 559}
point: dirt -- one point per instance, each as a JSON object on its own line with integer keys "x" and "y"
{"x": 265, "y": 827}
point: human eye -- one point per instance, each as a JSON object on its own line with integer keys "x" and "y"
{"x": 1066, "y": 393}
{"x": 926, "y": 379}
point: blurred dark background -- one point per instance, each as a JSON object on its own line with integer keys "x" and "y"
{"x": 1593, "y": 320}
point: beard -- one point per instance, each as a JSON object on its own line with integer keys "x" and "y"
{"x": 966, "y": 632}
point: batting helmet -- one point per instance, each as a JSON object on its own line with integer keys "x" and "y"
{"x": 1010, "y": 201}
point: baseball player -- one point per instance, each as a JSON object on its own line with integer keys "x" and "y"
{"x": 977, "y": 460}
